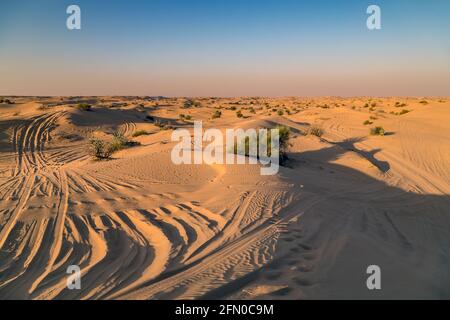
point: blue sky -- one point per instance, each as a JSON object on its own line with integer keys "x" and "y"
{"x": 225, "y": 48}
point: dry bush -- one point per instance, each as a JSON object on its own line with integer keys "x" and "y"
{"x": 316, "y": 131}
{"x": 377, "y": 131}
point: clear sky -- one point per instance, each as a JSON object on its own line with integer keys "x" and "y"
{"x": 225, "y": 48}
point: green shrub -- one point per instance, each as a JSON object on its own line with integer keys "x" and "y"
{"x": 185, "y": 117}
{"x": 284, "y": 136}
{"x": 188, "y": 103}
{"x": 404, "y": 111}
{"x": 217, "y": 114}
{"x": 163, "y": 126}
{"x": 84, "y": 106}
{"x": 316, "y": 131}
{"x": 99, "y": 149}
{"x": 140, "y": 133}
{"x": 400, "y": 105}
{"x": 377, "y": 131}
{"x": 118, "y": 142}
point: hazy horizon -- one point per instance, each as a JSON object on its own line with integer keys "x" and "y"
{"x": 225, "y": 49}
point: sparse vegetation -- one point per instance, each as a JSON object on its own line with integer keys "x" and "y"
{"x": 163, "y": 126}
{"x": 280, "y": 112}
{"x": 377, "y": 131}
{"x": 284, "y": 136}
{"x": 99, "y": 149}
{"x": 191, "y": 103}
{"x": 424, "y": 102}
{"x": 185, "y": 117}
{"x": 404, "y": 111}
{"x": 84, "y": 106}
{"x": 217, "y": 114}
{"x": 239, "y": 114}
{"x": 6, "y": 101}
{"x": 139, "y": 133}
{"x": 118, "y": 142}
{"x": 316, "y": 131}
{"x": 367, "y": 122}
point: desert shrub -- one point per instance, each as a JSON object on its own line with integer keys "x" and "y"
{"x": 217, "y": 114}
{"x": 43, "y": 107}
{"x": 84, "y": 106}
{"x": 163, "y": 126}
{"x": 191, "y": 103}
{"x": 284, "y": 136}
{"x": 377, "y": 131}
{"x": 367, "y": 122}
{"x": 400, "y": 105}
{"x": 366, "y": 105}
{"x": 372, "y": 118}
{"x": 239, "y": 114}
{"x": 316, "y": 131}
{"x": 424, "y": 102}
{"x": 185, "y": 117}
{"x": 232, "y": 108}
{"x": 139, "y": 133}
{"x": 118, "y": 142}
{"x": 373, "y": 104}
{"x": 188, "y": 103}
{"x": 280, "y": 112}
{"x": 99, "y": 149}
{"x": 252, "y": 110}
{"x": 404, "y": 111}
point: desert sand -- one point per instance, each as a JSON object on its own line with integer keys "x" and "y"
{"x": 141, "y": 227}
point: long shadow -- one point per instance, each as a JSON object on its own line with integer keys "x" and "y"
{"x": 349, "y": 144}
{"x": 359, "y": 221}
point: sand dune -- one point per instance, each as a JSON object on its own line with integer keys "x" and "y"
{"x": 141, "y": 227}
